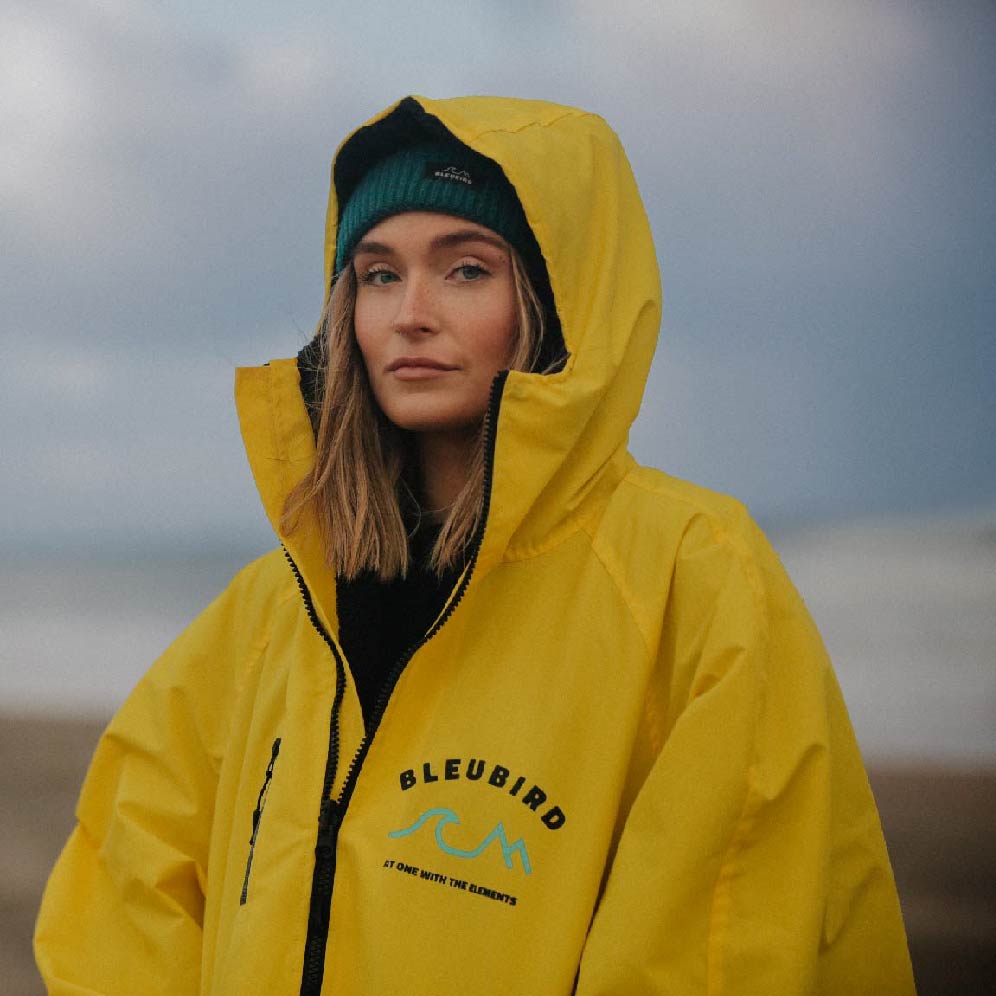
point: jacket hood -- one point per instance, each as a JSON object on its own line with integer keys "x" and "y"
{"x": 560, "y": 438}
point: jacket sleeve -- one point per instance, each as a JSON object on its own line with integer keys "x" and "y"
{"x": 751, "y": 861}
{"x": 122, "y": 912}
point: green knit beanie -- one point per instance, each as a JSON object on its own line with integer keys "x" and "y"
{"x": 446, "y": 177}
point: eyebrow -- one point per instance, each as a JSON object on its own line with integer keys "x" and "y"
{"x": 445, "y": 241}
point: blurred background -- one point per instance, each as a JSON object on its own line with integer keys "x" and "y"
{"x": 821, "y": 184}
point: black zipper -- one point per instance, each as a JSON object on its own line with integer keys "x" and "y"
{"x": 328, "y": 824}
{"x": 257, "y": 815}
{"x": 332, "y": 811}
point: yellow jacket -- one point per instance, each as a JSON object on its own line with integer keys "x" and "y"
{"x": 620, "y": 762}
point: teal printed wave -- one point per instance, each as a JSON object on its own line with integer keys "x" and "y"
{"x": 447, "y": 816}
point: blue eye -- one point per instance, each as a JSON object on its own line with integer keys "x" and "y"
{"x": 379, "y": 278}
{"x": 471, "y": 271}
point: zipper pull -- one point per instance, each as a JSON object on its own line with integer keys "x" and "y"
{"x": 257, "y": 815}
{"x": 258, "y": 811}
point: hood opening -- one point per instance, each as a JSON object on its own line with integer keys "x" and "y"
{"x": 410, "y": 124}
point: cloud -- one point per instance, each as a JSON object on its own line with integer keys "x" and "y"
{"x": 34, "y": 371}
{"x": 44, "y": 102}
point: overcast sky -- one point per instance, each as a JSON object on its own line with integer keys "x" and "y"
{"x": 819, "y": 177}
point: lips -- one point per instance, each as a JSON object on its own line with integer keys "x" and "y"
{"x": 418, "y": 363}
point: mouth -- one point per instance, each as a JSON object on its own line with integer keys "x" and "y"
{"x": 415, "y": 364}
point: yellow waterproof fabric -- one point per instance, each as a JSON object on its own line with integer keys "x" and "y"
{"x": 622, "y": 765}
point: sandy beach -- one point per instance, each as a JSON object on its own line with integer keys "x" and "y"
{"x": 938, "y": 823}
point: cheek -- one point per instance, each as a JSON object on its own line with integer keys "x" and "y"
{"x": 503, "y": 348}
{"x": 365, "y": 338}
{"x": 503, "y": 336}
{"x": 493, "y": 324}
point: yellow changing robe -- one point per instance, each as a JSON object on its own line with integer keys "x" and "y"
{"x": 620, "y": 763}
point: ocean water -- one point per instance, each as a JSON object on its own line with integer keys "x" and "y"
{"x": 908, "y": 613}
{"x": 76, "y": 636}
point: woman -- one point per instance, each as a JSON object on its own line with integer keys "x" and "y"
{"x": 511, "y": 714}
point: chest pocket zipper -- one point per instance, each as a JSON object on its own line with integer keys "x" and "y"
{"x": 257, "y": 816}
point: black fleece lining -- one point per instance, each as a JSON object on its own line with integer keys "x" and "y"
{"x": 380, "y": 620}
{"x": 309, "y": 371}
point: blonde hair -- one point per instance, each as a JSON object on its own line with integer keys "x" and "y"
{"x": 360, "y": 484}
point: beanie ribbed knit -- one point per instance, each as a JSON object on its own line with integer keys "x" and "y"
{"x": 440, "y": 176}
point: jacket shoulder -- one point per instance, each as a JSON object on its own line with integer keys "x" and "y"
{"x": 661, "y": 537}
{"x": 668, "y": 517}
{"x": 209, "y": 658}
{"x": 668, "y": 499}
{"x": 265, "y": 581}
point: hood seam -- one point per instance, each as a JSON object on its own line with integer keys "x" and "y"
{"x": 532, "y": 124}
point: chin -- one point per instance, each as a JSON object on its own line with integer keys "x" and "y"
{"x": 434, "y": 421}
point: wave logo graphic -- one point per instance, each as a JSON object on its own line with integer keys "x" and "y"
{"x": 447, "y": 816}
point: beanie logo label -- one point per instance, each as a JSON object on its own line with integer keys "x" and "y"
{"x": 442, "y": 171}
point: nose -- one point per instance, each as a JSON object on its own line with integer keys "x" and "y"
{"x": 416, "y": 312}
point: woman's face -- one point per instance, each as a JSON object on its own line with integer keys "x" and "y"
{"x": 435, "y": 318}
